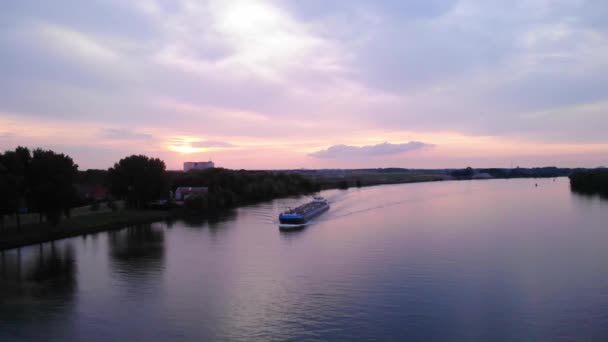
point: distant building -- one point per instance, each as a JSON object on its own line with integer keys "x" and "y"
{"x": 198, "y": 165}
{"x": 183, "y": 192}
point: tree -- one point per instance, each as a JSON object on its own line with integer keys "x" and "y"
{"x": 138, "y": 179}
{"x": 5, "y": 193}
{"x": 50, "y": 181}
{"x": 14, "y": 166}
{"x": 463, "y": 174}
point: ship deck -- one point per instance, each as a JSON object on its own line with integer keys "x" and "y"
{"x": 306, "y": 208}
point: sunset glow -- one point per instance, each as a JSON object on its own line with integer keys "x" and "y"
{"x": 185, "y": 149}
{"x": 289, "y": 84}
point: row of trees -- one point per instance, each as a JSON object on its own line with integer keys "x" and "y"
{"x": 228, "y": 188}
{"x": 41, "y": 181}
{"x": 590, "y": 181}
{"x": 518, "y": 172}
{"x": 463, "y": 174}
{"x": 139, "y": 180}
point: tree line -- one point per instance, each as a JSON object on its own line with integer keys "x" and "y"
{"x": 229, "y": 188}
{"x": 40, "y": 180}
{"x": 139, "y": 180}
{"x": 518, "y": 172}
{"x": 43, "y": 182}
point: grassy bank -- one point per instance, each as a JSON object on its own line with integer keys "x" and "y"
{"x": 84, "y": 221}
{"x": 11, "y": 237}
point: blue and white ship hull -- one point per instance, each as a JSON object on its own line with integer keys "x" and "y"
{"x": 302, "y": 215}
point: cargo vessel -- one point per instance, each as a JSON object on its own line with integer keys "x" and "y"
{"x": 301, "y": 216}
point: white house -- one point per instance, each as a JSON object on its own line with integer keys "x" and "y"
{"x": 198, "y": 165}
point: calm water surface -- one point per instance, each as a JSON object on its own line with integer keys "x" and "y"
{"x": 470, "y": 260}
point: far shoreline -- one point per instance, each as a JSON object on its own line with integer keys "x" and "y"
{"x": 33, "y": 234}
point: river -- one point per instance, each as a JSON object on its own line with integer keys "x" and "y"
{"x": 522, "y": 259}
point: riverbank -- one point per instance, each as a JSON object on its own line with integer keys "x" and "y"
{"x": 30, "y": 234}
{"x": 95, "y": 222}
{"x": 344, "y": 178}
{"x": 86, "y": 222}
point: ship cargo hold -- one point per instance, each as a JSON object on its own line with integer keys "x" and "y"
{"x": 302, "y": 215}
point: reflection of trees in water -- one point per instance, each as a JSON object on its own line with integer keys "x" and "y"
{"x": 210, "y": 221}
{"x": 590, "y": 182}
{"x": 137, "y": 249}
{"x": 588, "y": 194}
{"x": 37, "y": 283}
{"x": 57, "y": 269}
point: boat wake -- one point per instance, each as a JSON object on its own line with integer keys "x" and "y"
{"x": 337, "y": 214}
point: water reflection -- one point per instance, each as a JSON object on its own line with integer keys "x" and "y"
{"x": 54, "y": 270}
{"x": 137, "y": 250}
{"x": 43, "y": 271}
{"x": 33, "y": 280}
{"x": 589, "y": 195}
{"x": 491, "y": 260}
{"x": 292, "y": 233}
{"x": 212, "y": 221}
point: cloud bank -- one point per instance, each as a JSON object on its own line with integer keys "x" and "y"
{"x": 212, "y": 144}
{"x": 268, "y": 73}
{"x": 384, "y": 149}
{"x": 123, "y": 134}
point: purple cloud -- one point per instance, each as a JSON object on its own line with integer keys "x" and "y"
{"x": 124, "y": 134}
{"x": 212, "y": 144}
{"x": 516, "y": 71}
{"x": 384, "y": 149}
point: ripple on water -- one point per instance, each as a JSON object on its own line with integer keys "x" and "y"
{"x": 435, "y": 261}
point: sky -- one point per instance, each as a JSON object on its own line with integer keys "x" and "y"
{"x": 282, "y": 84}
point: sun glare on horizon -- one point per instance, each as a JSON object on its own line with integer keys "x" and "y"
{"x": 185, "y": 149}
{"x": 185, "y": 145}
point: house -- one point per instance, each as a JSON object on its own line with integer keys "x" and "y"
{"x": 183, "y": 192}
{"x": 198, "y": 165}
